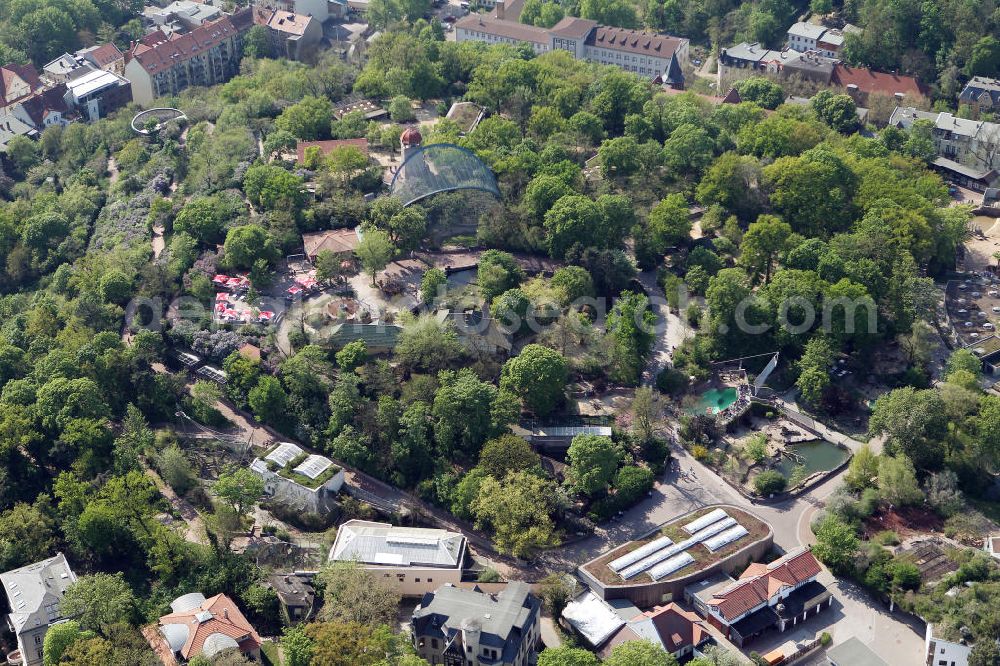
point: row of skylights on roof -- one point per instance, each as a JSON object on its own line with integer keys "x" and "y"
{"x": 663, "y": 557}
{"x": 313, "y": 466}
{"x": 725, "y": 538}
{"x": 705, "y": 521}
{"x": 285, "y": 453}
{"x": 675, "y": 563}
{"x": 631, "y": 558}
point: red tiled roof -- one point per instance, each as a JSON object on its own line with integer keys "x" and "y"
{"x": 623, "y": 635}
{"x": 329, "y": 146}
{"x": 289, "y": 23}
{"x": 634, "y": 41}
{"x": 11, "y": 72}
{"x": 226, "y": 619}
{"x": 761, "y": 582}
{"x": 870, "y": 82}
{"x": 162, "y": 53}
{"x": 503, "y": 28}
{"x": 40, "y": 104}
{"x": 677, "y": 627}
{"x": 572, "y": 27}
{"x": 103, "y": 55}
{"x": 336, "y": 240}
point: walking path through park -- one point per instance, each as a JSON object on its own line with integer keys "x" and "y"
{"x": 195, "y": 531}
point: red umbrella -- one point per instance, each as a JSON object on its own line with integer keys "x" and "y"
{"x": 222, "y": 296}
{"x": 294, "y": 290}
{"x": 220, "y": 278}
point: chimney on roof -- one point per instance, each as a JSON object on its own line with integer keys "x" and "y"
{"x": 500, "y": 9}
{"x": 225, "y": 613}
{"x": 899, "y": 96}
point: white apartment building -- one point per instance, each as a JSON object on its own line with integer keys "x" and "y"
{"x": 827, "y": 42}
{"x": 417, "y": 560}
{"x": 34, "y": 592}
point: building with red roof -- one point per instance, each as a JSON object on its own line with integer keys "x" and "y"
{"x": 17, "y": 82}
{"x": 649, "y": 54}
{"x": 766, "y": 596}
{"x": 200, "y": 626}
{"x": 158, "y": 65}
{"x": 860, "y": 83}
{"x": 104, "y": 56}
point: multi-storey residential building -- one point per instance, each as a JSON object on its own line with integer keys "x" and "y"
{"x": 804, "y": 36}
{"x": 292, "y": 36}
{"x": 44, "y": 108}
{"x": 17, "y": 82}
{"x": 34, "y": 592}
{"x": 652, "y": 55}
{"x": 828, "y": 42}
{"x": 970, "y": 143}
{"x": 766, "y": 596}
{"x": 417, "y": 560}
{"x": 181, "y": 16}
{"x": 97, "y": 92}
{"x": 468, "y": 627}
{"x": 105, "y": 56}
{"x": 982, "y": 94}
{"x": 320, "y": 10}
{"x": 158, "y": 65}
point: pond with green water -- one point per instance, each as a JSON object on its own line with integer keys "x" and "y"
{"x": 815, "y": 456}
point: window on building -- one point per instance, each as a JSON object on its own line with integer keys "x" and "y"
{"x": 38, "y": 641}
{"x": 416, "y": 580}
{"x": 430, "y": 580}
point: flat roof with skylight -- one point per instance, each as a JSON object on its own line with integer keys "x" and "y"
{"x": 680, "y": 548}
{"x": 382, "y": 544}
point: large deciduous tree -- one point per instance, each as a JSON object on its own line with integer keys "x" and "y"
{"x": 518, "y": 511}
{"x": 538, "y": 376}
{"x": 593, "y": 460}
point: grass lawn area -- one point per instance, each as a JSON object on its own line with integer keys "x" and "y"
{"x": 272, "y": 653}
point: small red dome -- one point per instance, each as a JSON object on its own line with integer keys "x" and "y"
{"x": 411, "y": 137}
